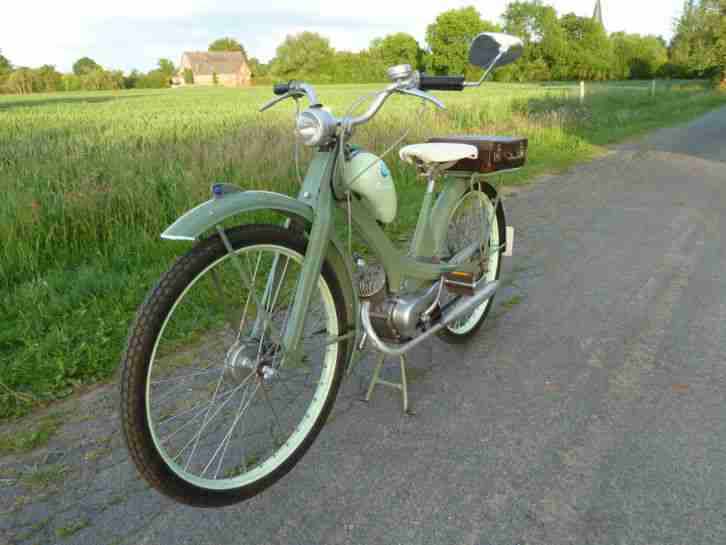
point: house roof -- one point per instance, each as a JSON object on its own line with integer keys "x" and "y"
{"x": 205, "y": 63}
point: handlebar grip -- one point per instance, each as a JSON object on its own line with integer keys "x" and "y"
{"x": 441, "y": 83}
{"x": 281, "y": 88}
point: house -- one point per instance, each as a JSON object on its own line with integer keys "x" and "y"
{"x": 228, "y": 68}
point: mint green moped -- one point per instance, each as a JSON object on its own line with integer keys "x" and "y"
{"x": 235, "y": 358}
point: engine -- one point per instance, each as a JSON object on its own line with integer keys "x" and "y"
{"x": 395, "y": 317}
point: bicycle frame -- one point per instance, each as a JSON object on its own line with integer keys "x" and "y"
{"x": 318, "y": 195}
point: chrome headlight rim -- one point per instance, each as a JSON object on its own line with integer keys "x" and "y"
{"x": 315, "y": 127}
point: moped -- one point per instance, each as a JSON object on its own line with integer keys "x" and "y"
{"x": 235, "y": 358}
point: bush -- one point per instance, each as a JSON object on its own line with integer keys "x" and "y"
{"x": 153, "y": 80}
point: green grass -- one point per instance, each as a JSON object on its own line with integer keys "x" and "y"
{"x": 89, "y": 181}
{"x": 42, "y": 478}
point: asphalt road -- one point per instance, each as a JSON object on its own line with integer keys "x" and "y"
{"x": 589, "y": 410}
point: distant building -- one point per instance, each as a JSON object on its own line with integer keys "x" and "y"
{"x": 227, "y": 68}
{"x": 598, "y": 13}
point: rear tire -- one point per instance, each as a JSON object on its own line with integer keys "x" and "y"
{"x": 164, "y": 352}
{"x": 460, "y": 331}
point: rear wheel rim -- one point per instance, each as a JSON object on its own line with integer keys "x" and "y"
{"x": 205, "y": 421}
{"x": 462, "y": 217}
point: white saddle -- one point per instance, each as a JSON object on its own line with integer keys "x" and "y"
{"x": 437, "y": 153}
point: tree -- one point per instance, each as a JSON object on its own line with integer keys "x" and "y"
{"x": 545, "y": 41}
{"x": 188, "y": 76}
{"x": 638, "y": 57}
{"x": 304, "y": 54}
{"x": 132, "y": 80}
{"x": 450, "y": 36}
{"x": 362, "y": 67}
{"x": 100, "y": 80}
{"x": 85, "y": 65}
{"x": 400, "y": 48}
{"x": 5, "y": 66}
{"x": 227, "y": 44}
{"x": 46, "y": 79}
{"x": 591, "y": 53}
{"x": 155, "y": 79}
{"x": 712, "y": 61}
{"x": 698, "y": 48}
{"x": 167, "y": 68}
{"x": 258, "y": 69}
{"x": 20, "y": 81}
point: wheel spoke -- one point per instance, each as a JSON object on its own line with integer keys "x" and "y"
{"x": 166, "y": 439}
{"x": 207, "y": 420}
{"x": 473, "y": 236}
{"x": 175, "y": 379}
{"x": 237, "y": 392}
{"x": 244, "y": 404}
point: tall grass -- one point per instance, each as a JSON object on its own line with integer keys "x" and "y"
{"x": 90, "y": 180}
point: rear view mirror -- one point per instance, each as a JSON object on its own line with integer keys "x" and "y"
{"x": 492, "y": 49}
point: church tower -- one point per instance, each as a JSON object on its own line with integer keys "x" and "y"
{"x": 598, "y": 13}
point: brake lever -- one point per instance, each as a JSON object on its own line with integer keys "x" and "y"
{"x": 425, "y": 96}
{"x": 274, "y": 101}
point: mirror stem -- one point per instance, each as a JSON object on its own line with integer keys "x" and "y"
{"x": 484, "y": 77}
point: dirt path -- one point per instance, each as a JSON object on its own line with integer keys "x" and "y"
{"x": 590, "y": 409}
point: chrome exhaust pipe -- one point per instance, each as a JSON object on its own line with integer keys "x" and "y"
{"x": 458, "y": 309}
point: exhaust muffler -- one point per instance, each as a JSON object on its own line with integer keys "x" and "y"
{"x": 482, "y": 292}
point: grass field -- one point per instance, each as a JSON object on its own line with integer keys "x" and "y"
{"x": 90, "y": 180}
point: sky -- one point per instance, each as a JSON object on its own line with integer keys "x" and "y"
{"x": 136, "y": 33}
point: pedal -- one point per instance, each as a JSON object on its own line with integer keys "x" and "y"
{"x": 460, "y": 283}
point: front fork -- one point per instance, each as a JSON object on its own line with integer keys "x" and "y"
{"x": 316, "y": 190}
{"x": 311, "y": 267}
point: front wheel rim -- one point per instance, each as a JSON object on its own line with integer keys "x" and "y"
{"x": 250, "y": 388}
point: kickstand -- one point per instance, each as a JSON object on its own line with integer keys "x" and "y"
{"x": 403, "y": 385}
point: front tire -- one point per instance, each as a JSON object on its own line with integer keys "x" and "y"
{"x": 213, "y": 411}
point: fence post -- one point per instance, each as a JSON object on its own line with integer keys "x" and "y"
{"x": 652, "y": 89}
{"x": 582, "y": 92}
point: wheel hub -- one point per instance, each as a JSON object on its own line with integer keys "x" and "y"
{"x": 245, "y": 357}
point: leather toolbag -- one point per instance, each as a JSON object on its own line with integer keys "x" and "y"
{"x": 495, "y": 152}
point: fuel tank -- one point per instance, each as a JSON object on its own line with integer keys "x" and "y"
{"x": 368, "y": 176}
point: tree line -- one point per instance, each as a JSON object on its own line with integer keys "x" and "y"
{"x": 557, "y": 48}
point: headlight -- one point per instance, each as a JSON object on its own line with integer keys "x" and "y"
{"x": 315, "y": 127}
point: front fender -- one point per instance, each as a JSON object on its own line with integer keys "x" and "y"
{"x": 212, "y": 212}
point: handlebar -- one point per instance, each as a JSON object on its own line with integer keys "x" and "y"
{"x": 414, "y": 86}
{"x": 292, "y": 89}
{"x": 441, "y": 83}
{"x": 281, "y": 88}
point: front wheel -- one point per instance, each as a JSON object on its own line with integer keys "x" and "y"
{"x": 213, "y": 410}
{"x": 475, "y": 219}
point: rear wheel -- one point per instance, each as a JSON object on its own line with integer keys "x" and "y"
{"x": 213, "y": 410}
{"x": 474, "y": 219}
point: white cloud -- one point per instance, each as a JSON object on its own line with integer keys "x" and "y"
{"x": 135, "y": 33}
